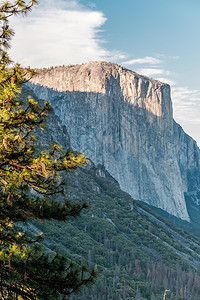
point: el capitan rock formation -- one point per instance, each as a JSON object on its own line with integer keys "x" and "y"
{"x": 124, "y": 121}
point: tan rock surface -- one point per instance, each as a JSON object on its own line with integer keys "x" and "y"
{"x": 124, "y": 121}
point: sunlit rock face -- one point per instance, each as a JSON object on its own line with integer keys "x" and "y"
{"x": 124, "y": 121}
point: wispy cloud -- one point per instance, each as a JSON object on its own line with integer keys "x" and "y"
{"x": 186, "y": 109}
{"x": 153, "y": 72}
{"x": 144, "y": 60}
{"x": 153, "y": 66}
{"x": 60, "y": 32}
{"x": 169, "y": 81}
{"x": 184, "y": 93}
{"x": 164, "y": 56}
{"x": 61, "y": 4}
{"x": 187, "y": 104}
{"x": 159, "y": 74}
{"x": 150, "y": 72}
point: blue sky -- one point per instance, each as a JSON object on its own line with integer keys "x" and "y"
{"x": 157, "y": 38}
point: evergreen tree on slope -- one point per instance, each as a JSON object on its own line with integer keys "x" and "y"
{"x": 27, "y": 183}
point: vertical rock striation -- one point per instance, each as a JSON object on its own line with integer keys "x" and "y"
{"x": 124, "y": 121}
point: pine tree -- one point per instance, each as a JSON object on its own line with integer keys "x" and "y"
{"x": 29, "y": 185}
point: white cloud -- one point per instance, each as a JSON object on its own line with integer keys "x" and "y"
{"x": 184, "y": 93}
{"x": 61, "y": 4}
{"x": 164, "y": 56}
{"x": 169, "y": 81}
{"x": 153, "y": 72}
{"x": 158, "y": 74}
{"x": 145, "y": 60}
{"x": 57, "y": 33}
{"x": 186, "y": 104}
{"x": 150, "y": 72}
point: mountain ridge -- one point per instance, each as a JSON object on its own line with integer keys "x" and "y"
{"x": 124, "y": 121}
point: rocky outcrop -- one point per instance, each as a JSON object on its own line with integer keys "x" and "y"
{"x": 124, "y": 121}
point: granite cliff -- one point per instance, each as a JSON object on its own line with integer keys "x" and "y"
{"x": 124, "y": 121}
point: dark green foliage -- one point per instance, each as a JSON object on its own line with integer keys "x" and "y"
{"x": 137, "y": 253}
{"x": 30, "y": 183}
